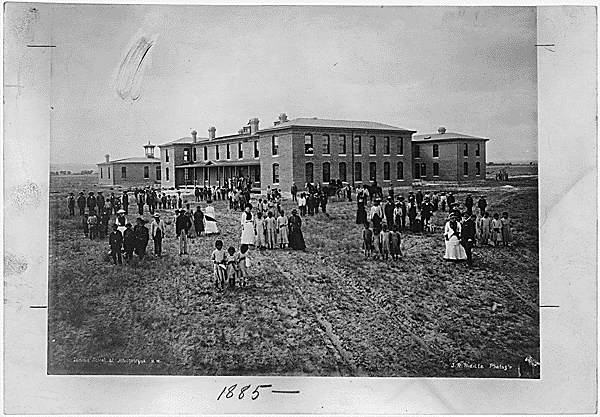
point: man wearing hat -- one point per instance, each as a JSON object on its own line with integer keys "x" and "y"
{"x": 468, "y": 235}
{"x": 157, "y": 231}
{"x": 426, "y": 210}
{"x": 469, "y": 204}
{"x": 71, "y": 204}
{"x": 121, "y": 221}
{"x": 125, "y": 200}
{"x": 128, "y": 241}
{"x": 100, "y": 202}
{"x": 182, "y": 225}
{"x": 141, "y": 235}
{"x": 482, "y": 204}
{"x": 389, "y": 212}
{"x": 91, "y": 202}
{"x": 81, "y": 203}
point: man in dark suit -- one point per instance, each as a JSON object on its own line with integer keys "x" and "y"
{"x": 468, "y": 235}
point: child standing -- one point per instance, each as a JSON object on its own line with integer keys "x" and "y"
{"x": 367, "y": 240}
{"x": 376, "y": 243}
{"x": 232, "y": 260}
{"x": 271, "y": 226}
{"x": 384, "y": 242}
{"x": 506, "y": 234}
{"x": 218, "y": 259}
{"x": 92, "y": 222}
{"x": 484, "y": 225}
{"x": 282, "y": 230}
{"x": 395, "y": 243}
{"x": 243, "y": 264}
{"x": 259, "y": 230}
{"x": 496, "y": 226}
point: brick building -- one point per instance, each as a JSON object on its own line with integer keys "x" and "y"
{"x": 448, "y": 156}
{"x": 300, "y": 150}
{"x": 131, "y": 171}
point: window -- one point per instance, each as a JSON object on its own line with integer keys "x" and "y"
{"x": 101, "y": 169}
{"x": 275, "y": 173}
{"x": 308, "y": 173}
{"x": 423, "y": 169}
{"x": 167, "y": 173}
{"x": 357, "y": 171}
{"x": 386, "y": 171}
{"x": 158, "y": 173}
{"x": 436, "y": 169}
{"x": 240, "y": 151}
{"x": 372, "y": 146}
{"x": 186, "y": 174}
{"x": 275, "y": 145}
{"x": 436, "y": 151}
{"x": 400, "y": 170}
{"x": 400, "y": 146}
{"x": 194, "y": 154}
{"x": 206, "y": 153}
{"x": 257, "y": 174}
{"x": 123, "y": 173}
{"x": 466, "y": 152}
{"x": 342, "y": 169}
{"x": 477, "y": 168}
{"x": 372, "y": 171}
{"x": 217, "y": 152}
{"x": 228, "y": 152}
{"x": 466, "y": 169}
{"x": 186, "y": 155}
{"x": 477, "y": 149}
{"x": 308, "y": 145}
{"x": 417, "y": 171}
{"x": 326, "y": 145}
{"x": 108, "y": 170}
{"x": 386, "y": 145}
{"x": 167, "y": 155}
{"x": 417, "y": 151}
{"x": 357, "y": 145}
{"x": 256, "y": 149}
{"x": 342, "y": 144}
{"x": 146, "y": 172}
{"x": 326, "y": 172}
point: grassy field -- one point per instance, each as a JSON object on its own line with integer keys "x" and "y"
{"x": 323, "y": 312}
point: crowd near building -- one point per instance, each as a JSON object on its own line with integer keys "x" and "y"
{"x": 305, "y": 151}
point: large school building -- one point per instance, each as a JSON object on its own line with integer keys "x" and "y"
{"x": 312, "y": 150}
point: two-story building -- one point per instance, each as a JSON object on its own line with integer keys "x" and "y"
{"x": 448, "y": 156}
{"x": 297, "y": 151}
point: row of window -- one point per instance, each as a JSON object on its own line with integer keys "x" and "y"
{"x": 421, "y": 169}
{"x": 240, "y": 152}
{"x": 186, "y": 174}
{"x": 146, "y": 173}
{"x": 342, "y": 146}
{"x": 342, "y": 174}
{"x": 436, "y": 150}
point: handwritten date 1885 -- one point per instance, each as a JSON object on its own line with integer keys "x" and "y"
{"x": 229, "y": 392}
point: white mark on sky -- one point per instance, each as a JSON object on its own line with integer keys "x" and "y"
{"x": 131, "y": 67}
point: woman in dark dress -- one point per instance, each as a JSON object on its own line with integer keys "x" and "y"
{"x": 361, "y": 212}
{"x": 295, "y": 231}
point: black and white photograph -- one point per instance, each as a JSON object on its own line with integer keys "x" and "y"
{"x": 281, "y": 191}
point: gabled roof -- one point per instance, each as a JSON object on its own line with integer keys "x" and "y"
{"x": 330, "y": 123}
{"x": 133, "y": 160}
{"x": 188, "y": 140}
{"x": 447, "y": 136}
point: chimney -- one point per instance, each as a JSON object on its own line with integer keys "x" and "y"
{"x": 194, "y": 134}
{"x": 253, "y": 123}
{"x": 283, "y": 118}
{"x": 212, "y": 133}
{"x": 441, "y": 130}
{"x": 106, "y": 158}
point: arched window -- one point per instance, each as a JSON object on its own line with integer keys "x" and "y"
{"x": 108, "y": 170}
{"x": 256, "y": 152}
{"x": 240, "y": 151}
{"x": 194, "y": 154}
{"x": 217, "y": 152}
{"x": 342, "y": 144}
{"x": 275, "y": 173}
{"x": 146, "y": 172}
{"x": 357, "y": 172}
{"x": 417, "y": 173}
{"x": 101, "y": 170}
{"x": 228, "y": 152}
{"x": 308, "y": 145}
{"x": 342, "y": 168}
{"x": 417, "y": 152}
{"x": 386, "y": 145}
{"x": 436, "y": 151}
{"x": 308, "y": 173}
{"x": 372, "y": 146}
{"x": 275, "y": 145}
{"x": 386, "y": 171}
{"x": 206, "y": 153}
{"x": 167, "y": 173}
{"x": 166, "y": 155}
{"x": 466, "y": 151}
{"x": 326, "y": 145}
{"x": 158, "y": 173}
{"x": 123, "y": 173}
{"x": 436, "y": 169}
{"x": 326, "y": 172}
{"x": 400, "y": 146}
{"x": 357, "y": 145}
{"x": 400, "y": 170}
{"x": 477, "y": 168}
{"x": 466, "y": 169}
{"x": 423, "y": 169}
{"x": 372, "y": 171}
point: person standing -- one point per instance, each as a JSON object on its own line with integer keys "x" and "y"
{"x": 376, "y": 214}
{"x": 125, "y": 202}
{"x": 496, "y": 226}
{"x": 395, "y": 242}
{"x": 259, "y": 231}
{"x": 389, "y": 212}
{"x": 141, "y": 235}
{"x": 302, "y": 204}
{"x": 128, "y": 241}
{"x": 271, "y": 227}
{"x": 324, "y": 199}
{"x": 71, "y": 204}
{"x": 91, "y": 202}
{"x": 295, "y": 231}
{"x": 412, "y": 215}
{"x": 140, "y": 203}
{"x": 210, "y": 221}
{"x": 92, "y": 222}
{"x": 485, "y": 229}
{"x": 450, "y": 200}
{"x": 150, "y": 200}
{"x": 105, "y": 219}
{"x": 482, "y": 204}
{"x": 468, "y": 236}
{"x": 419, "y": 199}
{"x": 157, "y": 231}
{"x": 84, "y": 223}
{"x": 282, "y": 230}
{"x": 294, "y": 192}
{"x": 426, "y": 210}
{"x": 199, "y": 221}
{"x": 164, "y": 201}
{"x": 506, "y": 233}
{"x": 361, "y": 211}
{"x": 443, "y": 201}
{"x": 121, "y": 221}
{"x": 100, "y": 202}
{"x": 81, "y": 203}
{"x": 367, "y": 236}
{"x": 247, "y": 222}
{"x": 452, "y": 233}
{"x": 197, "y": 194}
{"x": 182, "y": 225}
{"x": 469, "y": 204}
{"x": 349, "y": 192}
{"x": 115, "y": 241}
{"x": 243, "y": 265}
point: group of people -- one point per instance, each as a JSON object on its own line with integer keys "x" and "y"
{"x": 270, "y": 228}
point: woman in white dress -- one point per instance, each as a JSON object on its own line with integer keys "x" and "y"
{"x": 210, "y": 220}
{"x": 247, "y": 221}
{"x": 454, "y": 250}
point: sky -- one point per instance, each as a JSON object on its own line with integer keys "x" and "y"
{"x": 470, "y": 69}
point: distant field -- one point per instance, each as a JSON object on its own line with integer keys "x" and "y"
{"x": 513, "y": 170}
{"x": 323, "y": 312}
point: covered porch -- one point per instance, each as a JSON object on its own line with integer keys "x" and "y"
{"x": 217, "y": 173}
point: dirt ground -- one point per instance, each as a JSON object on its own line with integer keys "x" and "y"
{"x": 324, "y": 312}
